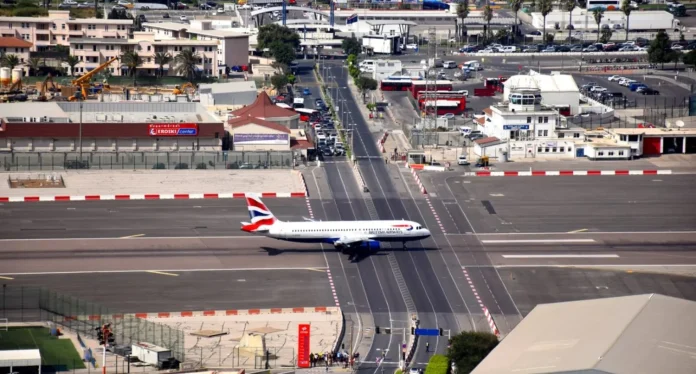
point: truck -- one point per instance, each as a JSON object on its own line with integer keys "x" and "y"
{"x": 386, "y": 44}
{"x": 150, "y": 353}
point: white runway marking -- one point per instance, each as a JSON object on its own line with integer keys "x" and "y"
{"x": 562, "y": 256}
{"x": 537, "y": 241}
{"x": 160, "y": 271}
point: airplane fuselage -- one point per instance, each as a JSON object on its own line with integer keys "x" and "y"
{"x": 332, "y": 231}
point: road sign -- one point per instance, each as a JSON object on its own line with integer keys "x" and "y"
{"x": 428, "y": 332}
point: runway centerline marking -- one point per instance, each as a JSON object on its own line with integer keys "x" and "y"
{"x": 8, "y": 278}
{"x": 562, "y": 256}
{"x": 577, "y": 231}
{"x": 132, "y": 236}
{"x": 537, "y": 241}
{"x": 162, "y": 273}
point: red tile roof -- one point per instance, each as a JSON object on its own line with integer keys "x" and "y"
{"x": 486, "y": 140}
{"x": 236, "y": 123}
{"x": 263, "y": 107}
{"x": 481, "y": 121}
{"x": 488, "y": 111}
{"x": 12, "y": 42}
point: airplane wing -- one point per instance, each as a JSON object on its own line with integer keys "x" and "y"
{"x": 351, "y": 240}
{"x": 308, "y": 219}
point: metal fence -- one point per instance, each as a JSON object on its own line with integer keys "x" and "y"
{"x": 33, "y": 304}
{"x": 430, "y": 138}
{"x": 23, "y": 161}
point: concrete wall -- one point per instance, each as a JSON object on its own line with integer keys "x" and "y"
{"x": 110, "y": 144}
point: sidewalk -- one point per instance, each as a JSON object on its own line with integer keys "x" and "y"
{"x": 575, "y": 164}
{"x": 156, "y": 184}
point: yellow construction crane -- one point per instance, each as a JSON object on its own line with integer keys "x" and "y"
{"x": 181, "y": 90}
{"x": 83, "y": 82}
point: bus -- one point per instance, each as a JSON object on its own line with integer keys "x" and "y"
{"x": 397, "y": 83}
{"x": 298, "y": 103}
{"x": 418, "y": 86}
{"x": 443, "y": 107}
{"x": 455, "y": 95}
{"x": 307, "y": 115}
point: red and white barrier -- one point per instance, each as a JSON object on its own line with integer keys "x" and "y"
{"x": 304, "y": 185}
{"x": 420, "y": 184}
{"x": 180, "y": 196}
{"x": 202, "y": 313}
{"x": 543, "y": 173}
{"x": 359, "y": 177}
{"x": 380, "y": 142}
{"x": 491, "y": 322}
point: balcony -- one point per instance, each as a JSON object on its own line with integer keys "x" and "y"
{"x": 9, "y": 32}
{"x": 76, "y": 33}
{"x": 42, "y": 31}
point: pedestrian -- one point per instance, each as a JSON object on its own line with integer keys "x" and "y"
{"x": 427, "y": 346}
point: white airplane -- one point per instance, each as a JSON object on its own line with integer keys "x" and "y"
{"x": 344, "y": 235}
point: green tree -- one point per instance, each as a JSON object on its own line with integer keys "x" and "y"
{"x": 570, "y": 6}
{"x": 606, "y": 36}
{"x": 502, "y": 35}
{"x": 351, "y": 46}
{"x": 598, "y": 14}
{"x": 187, "y": 63}
{"x": 660, "y": 49}
{"x": 364, "y": 84}
{"x": 438, "y": 364}
{"x": 72, "y": 61}
{"x": 284, "y": 54}
{"x": 132, "y": 61}
{"x": 10, "y": 61}
{"x": 291, "y": 79}
{"x": 488, "y": 16}
{"x": 274, "y": 33}
{"x": 545, "y": 7}
{"x": 690, "y": 58}
{"x": 468, "y": 349}
{"x": 34, "y": 64}
{"x": 351, "y": 60}
{"x": 279, "y": 81}
{"x": 626, "y": 9}
{"x": 161, "y": 59}
{"x": 117, "y": 13}
{"x": 462, "y": 13}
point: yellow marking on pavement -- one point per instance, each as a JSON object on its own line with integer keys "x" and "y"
{"x": 132, "y": 236}
{"x": 319, "y": 270}
{"x": 629, "y": 271}
{"x": 162, "y": 273}
{"x": 577, "y": 231}
{"x": 8, "y": 278}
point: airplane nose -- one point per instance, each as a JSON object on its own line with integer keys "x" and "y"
{"x": 427, "y": 232}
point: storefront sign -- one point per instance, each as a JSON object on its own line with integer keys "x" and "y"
{"x": 173, "y": 129}
{"x": 262, "y": 139}
{"x": 303, "y": 345}
{"x": 515, "y": 127}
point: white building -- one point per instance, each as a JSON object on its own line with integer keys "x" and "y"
{"x": 386, "y": 68}
{"x": 557, "y": 90}
{"x": 584, "y": 20}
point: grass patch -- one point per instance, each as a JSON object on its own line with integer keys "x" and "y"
{"x": 59, "y": 353}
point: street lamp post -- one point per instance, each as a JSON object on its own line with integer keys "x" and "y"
{"x": 80, "y": 134}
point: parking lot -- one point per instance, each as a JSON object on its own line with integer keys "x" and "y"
{"x": 670, "y": 95}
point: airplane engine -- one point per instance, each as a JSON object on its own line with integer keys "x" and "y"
{"x": 371, "y": 245}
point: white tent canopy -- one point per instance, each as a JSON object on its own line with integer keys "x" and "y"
{"x": 21, "y": 357}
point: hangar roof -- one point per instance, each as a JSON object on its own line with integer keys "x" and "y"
{"x": 631, "y": 334}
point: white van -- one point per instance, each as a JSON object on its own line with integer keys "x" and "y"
{"x": 473, "y": 65}
{"x": 508, "y": 49}
{"x": 367, "y": 66}
{"x": 449, "y": 65}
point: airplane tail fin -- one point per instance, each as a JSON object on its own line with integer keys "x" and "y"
{"x": 261, "y": 217}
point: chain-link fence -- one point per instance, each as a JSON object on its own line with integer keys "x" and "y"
{"x": 33, "y": 304}
{"x": 431, "y": 138}
{"x": 23, "y": 161}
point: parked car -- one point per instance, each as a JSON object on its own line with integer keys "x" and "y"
{"x": 306, "y": 92}
{"x": 649, "y": 91}
{"x": 614, "y": 78}
{"x": 183, "y": 18}
{"x": 462, "y": 160}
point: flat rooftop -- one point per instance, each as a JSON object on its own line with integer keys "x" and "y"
{"x": 126, "y": 111}
{"x": 217, "y": 33}
{"x": 656, "y": 131}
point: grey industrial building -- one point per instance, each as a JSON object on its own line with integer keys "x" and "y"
{"x": 233, "y": 94}
{"x": 631, "y": 334}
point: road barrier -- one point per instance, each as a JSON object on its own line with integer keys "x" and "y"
{"x": 304, "y": 185}
{"x": 359, "y": 177}
{"x": 544, "y": 173}
{"x": 418, "y": 180}
{"x": 380, "y": 142}
{"x": 491, "y": 322}
{"x": 202, "y": 313}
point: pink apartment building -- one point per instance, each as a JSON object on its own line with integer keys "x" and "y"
{"x": 15, "y": 46}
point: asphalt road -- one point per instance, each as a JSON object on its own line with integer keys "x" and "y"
{"x": 114, "y": 219}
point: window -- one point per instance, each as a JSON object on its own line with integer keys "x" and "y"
{"x": 576, "y": 135}
{"x": 554, "y": 149}
{"x": 546, "y": 150}
{"x": 600, "y": 153}
{"x": 94, "y": 47}
{"x": 546, "y": 132}
{"x": 561, "y": 135}
{"x": 621, "y": 153}
{"x": 622, "y": 138}
{"x": 529, "y": 119}
{"x": 540, "y": 132}
{"x": 539, "y": 120}
{"x": 611, "y": 153}
{"x": 562, "y": 149}
{"x": 539, "y": 150}
{"x": 106, "y": 27}
{"x": 546, "y": 119}
{"x": 633, "y": 138}
{"x": 148, "y": 48}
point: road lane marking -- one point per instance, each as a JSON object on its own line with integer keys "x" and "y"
{"x": 8, "y": 278}
{"x": 537, "y": 241}
{"x": 319, "y": 270}
{"x": 577, "y": 231}
{"x": 77, "y": 272}
{"x": 162, "y": 273}
{"x": 132, "y": 236}
{"x": 562, "y": 256}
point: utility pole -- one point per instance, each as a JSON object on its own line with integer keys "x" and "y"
{"x": 80, "y": 135}
{"x": 431, "y": 79}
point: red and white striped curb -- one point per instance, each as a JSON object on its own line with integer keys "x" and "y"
{"x": 437, "y": 217}
{"x": 491, "y": 323}
{"x": 418, "y": 180}
{"x": 204, "y": 313}
{"x": 359, "y": 176}
{"x": 304, "y": 185}
{"x": 542, "y": 173}
{"x": 380, "y": 142}
{"x": 180, "y": 196}
{"x": 333, "y": 288}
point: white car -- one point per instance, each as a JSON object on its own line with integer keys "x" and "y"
{"x": 487, "y": 50}
{"x": 614, "y": 78}
{"x": 183, "y": 18}
{"x": 626, "y": 82}
{"x": 447, "y": 116}
{"x": 599, "y": 89}
{"x": 412, "y": 46}
{"x": 461, "y": 160}
{"x": 245, "y": 7}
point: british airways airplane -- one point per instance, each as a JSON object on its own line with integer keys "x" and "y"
{"x": 347, "y": 236}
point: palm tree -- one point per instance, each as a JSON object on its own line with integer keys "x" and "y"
{"x": 10, "y": 61}
{"x": 626, "y": 9}
{"x": 132, "y": 61}
{"x": 187, "y": 62}
{"x": 462, "y": 13}
{"x": 570, "y": 5}
{"x": 34, "y": 64}
{"x": 598, "y": 13}
{"x": 488, "y": 16}
{"x": 72, "y": 61}
{"x": 515, "y": 5}
{"x": 545, "y": 7}
{"x": 162, "y": 59}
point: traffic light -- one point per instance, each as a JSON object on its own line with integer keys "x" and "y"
{"x": 376, "y": 329}
{"x": 441, "y": 331}
{"x": 109, "y": 337}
